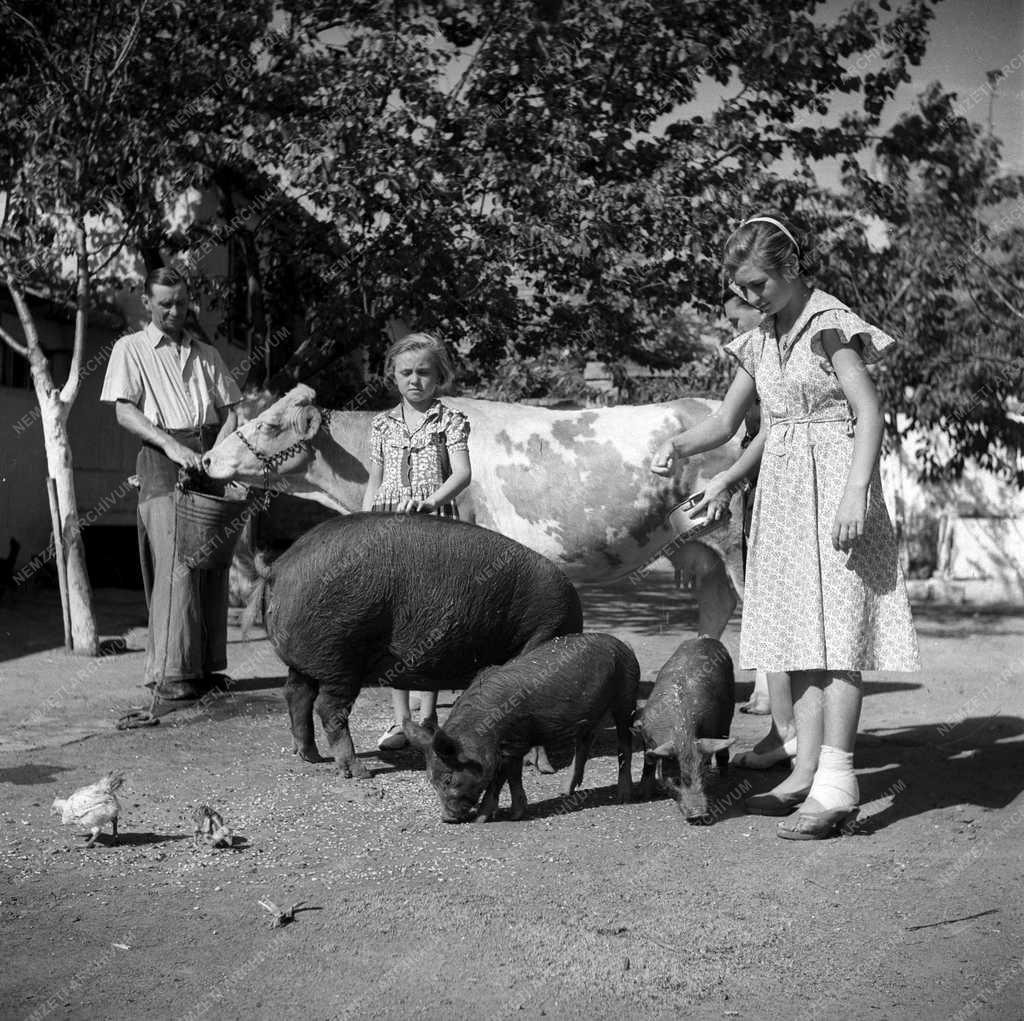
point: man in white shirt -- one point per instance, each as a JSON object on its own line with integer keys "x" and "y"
{"x": 173, "y": 392}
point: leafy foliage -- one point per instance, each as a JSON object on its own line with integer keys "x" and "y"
{"x": 539, "y": 181}
{"x": 950, "y": 284}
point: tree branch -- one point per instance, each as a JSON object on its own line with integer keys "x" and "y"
{"x": 40, "y": 41}
{"x": 895, "y": 299}
{"x": 977, "y": 305}
{"x": 995, "y": 290}
{"x": 12, "y": 343}
{"x": 74, "y": 381}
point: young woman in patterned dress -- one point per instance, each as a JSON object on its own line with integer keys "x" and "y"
{"x": 419, "y": 463}
{"x": 772, "y": 693}
{"x": 824, "y": 596}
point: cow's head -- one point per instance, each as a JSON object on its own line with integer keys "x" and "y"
{"x": 458, "y": 778}
{"x": 276, "y": 442}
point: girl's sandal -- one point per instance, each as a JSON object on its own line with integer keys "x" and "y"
{"x": 819, "y": 825}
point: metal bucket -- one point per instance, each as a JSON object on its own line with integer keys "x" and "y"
{"x": 207, "y": 528}
{"x": 686, "y": 526}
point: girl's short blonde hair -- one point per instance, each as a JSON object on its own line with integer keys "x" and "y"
{"x": 422, "y": 342}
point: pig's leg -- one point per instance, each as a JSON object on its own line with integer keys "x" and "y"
{"x": 722, "y": 761}
{"x": 489, "y": 805}
{"x": 579, "y": 762}
{"x": 333, "y": 709}
{"x": 624, "y": 742}
{"x": 300, "y": 693}
{"x": 647, "y": 779}
{"x": 515, "y": 787}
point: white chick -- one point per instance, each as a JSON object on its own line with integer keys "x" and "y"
{"x": 92, "y": 807}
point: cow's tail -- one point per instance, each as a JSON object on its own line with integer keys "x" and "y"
{"x": 255, "y": 608}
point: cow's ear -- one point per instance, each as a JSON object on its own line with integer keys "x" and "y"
{"x": 446, "y": 748}
{"x": 306, "y": 421}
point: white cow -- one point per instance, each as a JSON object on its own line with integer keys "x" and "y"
{"x": 573, "y": 485}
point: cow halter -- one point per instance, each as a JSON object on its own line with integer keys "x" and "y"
{"x": 271, "y": 462}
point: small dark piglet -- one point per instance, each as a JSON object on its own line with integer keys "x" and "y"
{"x": 554, "y": 696}
{"x": 687, "y": 717}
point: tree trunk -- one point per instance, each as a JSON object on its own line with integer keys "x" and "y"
{"x": 85, "y": 641}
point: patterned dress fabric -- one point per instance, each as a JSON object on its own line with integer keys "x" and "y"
{"x": 415, "y": 461}
{"x": 808, "y": 606}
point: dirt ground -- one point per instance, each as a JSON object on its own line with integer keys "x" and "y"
{"x": 586, "y": 909}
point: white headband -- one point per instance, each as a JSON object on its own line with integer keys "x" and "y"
{"x": 774, "y": 223}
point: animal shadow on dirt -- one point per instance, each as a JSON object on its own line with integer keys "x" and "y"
{"x": 652, "y": 607}
{"x": 223, "y": 704}
{"x": 978, "y": 760}
{"x": 32, "y": 773}
{"x": 136, "y": 838}
{"x": 955, "y": 621}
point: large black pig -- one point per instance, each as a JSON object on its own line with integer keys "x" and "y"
{"x": 412, "y": 601}
{"x": 554, "y": 696}
{"x": 687, "y": 717}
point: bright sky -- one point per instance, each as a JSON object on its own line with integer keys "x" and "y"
{"x": 967, "y": 39}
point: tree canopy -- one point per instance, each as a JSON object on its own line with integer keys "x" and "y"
{"x": 539, "y": 181}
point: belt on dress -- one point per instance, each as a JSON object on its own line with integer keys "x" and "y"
{"x": 783, "y": 433}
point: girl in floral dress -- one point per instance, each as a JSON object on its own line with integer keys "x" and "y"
{"x": 825, "y": 597}
{"x": 419, "y": 463}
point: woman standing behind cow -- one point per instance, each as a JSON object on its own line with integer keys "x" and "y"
{"x": 825, "y": 595}
{"x": 419, "y": 463}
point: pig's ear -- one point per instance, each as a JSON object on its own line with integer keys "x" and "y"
{"x": 306, "y": 421}
{"x": 446, "y": 748}
{"x": 710, "y": 745}
{"x": 419, "y": 737}
{"x": 663, "y": 751}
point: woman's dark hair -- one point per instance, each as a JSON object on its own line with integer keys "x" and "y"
{"x": 165, "y": 276}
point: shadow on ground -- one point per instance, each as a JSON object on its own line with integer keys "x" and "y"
{"x": 31, "y": 621}
{"x": 909, "y": 771}
{"x": 31, "y": 773}
{"x": 953, "y": 621}
{"x": 652, "y": 608}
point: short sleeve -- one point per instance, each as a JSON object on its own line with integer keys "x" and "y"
{"x": 377, "y": 440}
{"x": 227, "y": 392}
{"x": 123, "y": 380}
{"x": 746, "y": 349}
{"x": 874, "y": 343}
{"x": 456, "y": 433}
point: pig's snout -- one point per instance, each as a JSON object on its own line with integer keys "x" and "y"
{"x": 206, "y": 462}
{"x": 692, "y": 804}
{"x": 457, "y": 817}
